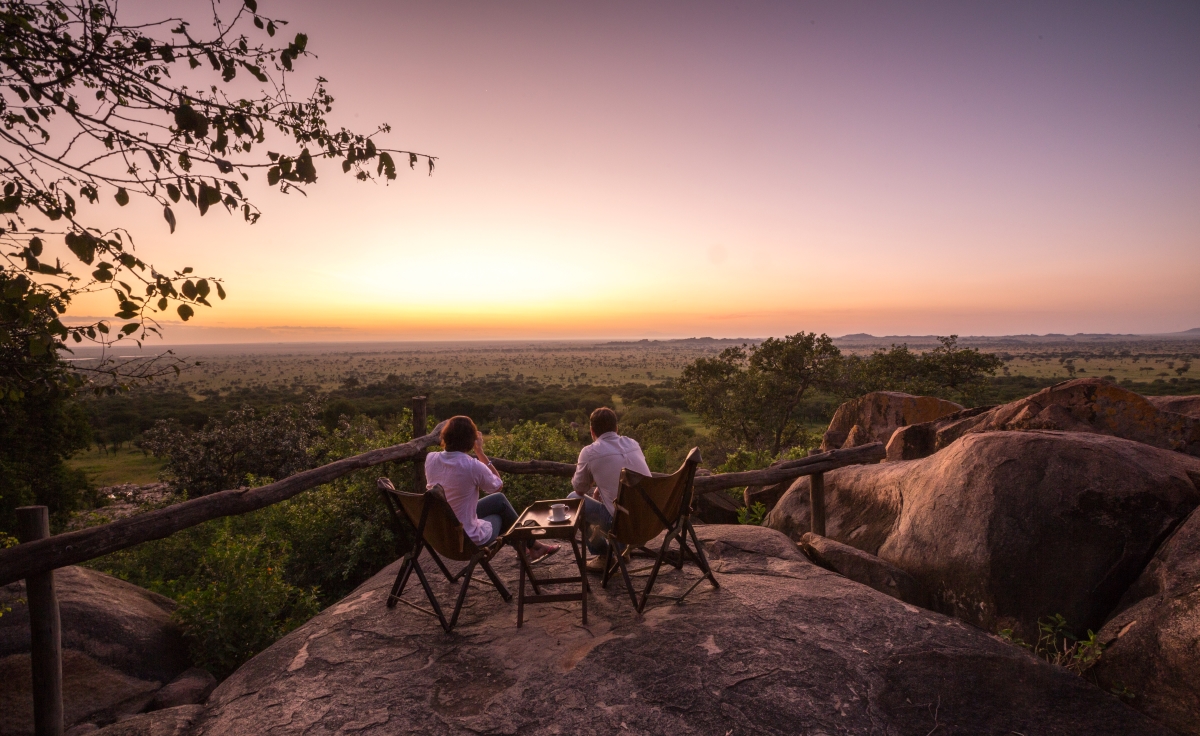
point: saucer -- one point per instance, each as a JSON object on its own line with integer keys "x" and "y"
{"x": 563, "y": 520}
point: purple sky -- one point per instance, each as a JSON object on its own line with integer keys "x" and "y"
{"x": 673, "y": 169}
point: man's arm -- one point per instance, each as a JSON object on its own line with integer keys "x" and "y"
{"x": 582, "y": 482}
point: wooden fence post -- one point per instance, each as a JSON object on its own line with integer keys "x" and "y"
{"x": 45, "y": 630}
{"x": 419, "y": 428}
{"x": 816, "y": 502}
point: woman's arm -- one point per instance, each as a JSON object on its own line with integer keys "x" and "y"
{"x": 482, "y": 457}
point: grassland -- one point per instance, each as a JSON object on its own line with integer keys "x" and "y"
{"x": 125, "y": 465}
{"x": 264, "y": 373}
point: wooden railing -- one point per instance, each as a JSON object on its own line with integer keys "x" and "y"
{"x": 39, "y": 554}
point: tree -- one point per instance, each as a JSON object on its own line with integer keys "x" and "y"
{"x": 751, "y": 394}
{"x": 91, "y": 108}
{"x": 947, "y": 371}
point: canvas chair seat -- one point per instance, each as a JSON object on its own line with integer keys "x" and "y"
{"x": 646, "y": 507}
{"x": 441, "y": 534}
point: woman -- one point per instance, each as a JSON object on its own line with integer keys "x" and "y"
{"x": 463, "y": 478}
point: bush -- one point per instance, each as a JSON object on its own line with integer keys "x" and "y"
{"x": 244, "y": 581}
{"x": 245, "y": 603}
{"x": 274, "y": 444}
{"x": 533, "y": 441}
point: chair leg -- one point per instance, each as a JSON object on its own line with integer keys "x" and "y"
{"x": 628, "y": 582}
{"x": 429, "y": 593}
{"x": 503, "y": 591}
{"x": 401, "y": 580}
{"x": 608, "y": 566}
{"x": 662, "y": 551}
{"x": 442, "y": 565}
{"x": 701, "y": 560}
{"x": 466, "y": 573}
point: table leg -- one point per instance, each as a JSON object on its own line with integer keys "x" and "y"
{"x": 521, "y": 586}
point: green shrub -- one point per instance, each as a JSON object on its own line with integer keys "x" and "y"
{"x": 245, "y": 603}
{"x": 244, "y": 581}
{"x": 1057, "y": 645}
{"x": 532, "y": 441}
{"x": 754, "y": 514}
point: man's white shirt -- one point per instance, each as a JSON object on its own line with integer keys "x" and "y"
{"x": 600, "y": 465}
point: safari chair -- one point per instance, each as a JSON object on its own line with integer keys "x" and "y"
{"x": 647, "y": 506}
{"x": 441, "y": 534}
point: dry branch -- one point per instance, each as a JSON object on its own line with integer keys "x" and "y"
{"x": 811, "y": 465}
{"x": 72, "y": 548}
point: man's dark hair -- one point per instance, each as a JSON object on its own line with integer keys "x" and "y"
{"x": 603, "y": 420}
{"x": 459, "y": 434}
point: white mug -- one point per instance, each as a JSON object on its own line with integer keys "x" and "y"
{"x": 558, "y": 512}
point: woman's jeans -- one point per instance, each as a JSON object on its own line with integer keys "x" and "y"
{"x": 599, "y": 521}
{"x": 497, "y": 511}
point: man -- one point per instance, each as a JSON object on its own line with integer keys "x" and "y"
{"x": 598, "y": 477}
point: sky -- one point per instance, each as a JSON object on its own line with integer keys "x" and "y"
{"x": 662, "y": 169}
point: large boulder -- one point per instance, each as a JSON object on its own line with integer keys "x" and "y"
{"x": 120, "y": 646}
{"x": 1002, "y": 528}
{"x": 874, "y": 416}
{"x": 1082, "y": 405}
{"x": 1152, "y": 645}
{"x": 782, "y": 646}
{"x": 1187, "y": 405}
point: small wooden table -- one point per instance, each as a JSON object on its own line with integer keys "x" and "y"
{"x": 534, "y": 525}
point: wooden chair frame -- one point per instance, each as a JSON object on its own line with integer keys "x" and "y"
{"x": 434, "y": 499}
{"x": 678, "y": 530}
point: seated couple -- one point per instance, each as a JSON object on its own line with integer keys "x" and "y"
{"x": 596, "y": 481}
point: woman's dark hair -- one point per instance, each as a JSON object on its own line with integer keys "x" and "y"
{"x": 603, "y": 420}
{"x": 459, "y": 434}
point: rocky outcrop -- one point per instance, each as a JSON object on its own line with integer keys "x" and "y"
{"x": 1001, "y": 528}
{"x": 1186, "y": 405}
{"x": 781, "y": 643}
{"x": 191, "y": 687}
{"x": 1152, "y": 648}
{"x": 1082, "y": 405}
{"x": 862, "y": 568}
{"x": 874, "y": 416}
{"x": 120, "y": 646}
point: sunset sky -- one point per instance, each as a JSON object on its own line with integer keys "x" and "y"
{"x": 633, "y": 169}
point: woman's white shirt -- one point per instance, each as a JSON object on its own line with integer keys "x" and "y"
{"x": 463, "y": 478}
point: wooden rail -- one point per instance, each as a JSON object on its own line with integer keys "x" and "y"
{"x": 71, "y": 548}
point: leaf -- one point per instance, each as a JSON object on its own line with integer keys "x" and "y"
{"x": 83, "y": 246}
{"x": 220, "y": 291}
{"x": 189, "y": 289}
{"x": 162, "y": 304}
{"x": 129, "y": 329}
{"x": 173, "y": 192}
{"x": 169, "y": 215}
{"x": 185, "y": 312}
{"x": 251, "y": 5}
{"x": 273, "y": 175}
{"x": 122, "y": 196}
{"x": 35, "y": 246}
{"x": 202, "y": 287}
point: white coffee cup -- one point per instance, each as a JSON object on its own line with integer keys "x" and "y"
{"x": 558, "y": 512}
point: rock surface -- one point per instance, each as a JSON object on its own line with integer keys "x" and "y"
{"x": 116, "y": 623}
{"x": 1002, "y": 528}
{"x": 862, "y": 568}
{"x": 191, "y": 687}
{"x": 1187, "y": 405}
{"x": 783, "y": 647}
{"x": 1082, "y": 405}
{"x": 119, "y": 646}
{"x": 92, "y": 692}
{"x": 1152, "y": 646}
{"x": 877, "y": 414}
